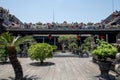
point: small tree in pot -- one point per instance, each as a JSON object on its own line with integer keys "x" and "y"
{"x": 65, "y": 40}
{"x": 104, "y": 52}
{"x": 73, "y": 46}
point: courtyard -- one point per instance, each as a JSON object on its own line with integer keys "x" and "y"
{"x": 63, "y": 66}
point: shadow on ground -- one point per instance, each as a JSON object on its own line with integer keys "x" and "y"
{"x": 110, "y": 76}
{"x": 27, "y": 77}
{"x": 4, "y": 63}
{"x": 44, "y": 64}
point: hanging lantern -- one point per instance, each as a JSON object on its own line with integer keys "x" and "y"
{"x": 78, "y": 37}
{"x": 49, "y": 36}
{"x": 101, "y": 36}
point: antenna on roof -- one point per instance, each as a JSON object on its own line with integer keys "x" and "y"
{"x": 113, "y": 5}
{"x": 53, "y": 16}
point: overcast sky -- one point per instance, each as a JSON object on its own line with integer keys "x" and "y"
{"x": 61, "y": 10}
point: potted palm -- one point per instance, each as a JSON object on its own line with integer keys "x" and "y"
{"x": 104, "y": 53}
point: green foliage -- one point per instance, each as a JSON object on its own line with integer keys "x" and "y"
{"x": 105, "y": 50}
{"x": 40, "y": 51}
{"x": 3, "y": 53}
{"x": 54, "y": 47}
{"x": 6, "y": 39}
{"x": 72, "y": 38}
{"x": 73, "y": 46}
{"x": 25, "y": 39}
{"x": 86, "y": 46}
{"x": 62, "y": 39}
{"x": 66, "y": 40}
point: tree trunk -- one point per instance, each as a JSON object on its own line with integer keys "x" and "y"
{"x": 15, "y": 63}
{"x": 41, "y": 61}
{"x": 63, "y": 45}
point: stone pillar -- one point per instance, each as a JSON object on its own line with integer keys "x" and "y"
{"x": 54, "y": 40}
{"x": 43, "y": 39}
{"x": 107, "y": 37}
{"x": 117, "y": 66}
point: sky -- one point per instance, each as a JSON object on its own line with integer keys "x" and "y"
{"x": 61, "y": 10}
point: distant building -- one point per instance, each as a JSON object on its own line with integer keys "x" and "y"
{"x": 113, "y": 19}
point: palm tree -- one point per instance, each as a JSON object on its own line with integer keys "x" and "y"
{"x": 8, "y": 40}
{"x": 11, "y": 42}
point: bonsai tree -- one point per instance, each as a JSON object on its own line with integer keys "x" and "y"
{"x": 40, "y": 51}
{"x": 65, "y": 40}
{"x": 62, "y": 40}
{"x": 23, "y": 45}
{"x": 73, "y": 46}
{"x": 104, "y": 51}
{"x": 72, "y": 38}
{"x": 86, "y": 46}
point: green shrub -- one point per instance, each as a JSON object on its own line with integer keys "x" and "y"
{"x": 65, "y": 40}
{"x": 105, "y": 50}
{"x": 86, "y": 45}
{"x": 54, "y": 47}
{"x": 73, "y": 46}
{"x": 3, "y": 53}
{"x": 40, "y": 51}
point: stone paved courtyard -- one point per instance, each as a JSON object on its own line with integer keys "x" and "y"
{"x": 63, "y": 66}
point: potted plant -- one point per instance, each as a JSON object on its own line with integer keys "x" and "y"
{"x": 65, "y": 40}
{"x": 72, "y": 46}
{"x": 104, "y": 53}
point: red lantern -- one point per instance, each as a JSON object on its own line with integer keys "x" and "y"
{"x": 78, "y": 37}
{"x": 49, "y": 36}
{"x": 101, "y": 36}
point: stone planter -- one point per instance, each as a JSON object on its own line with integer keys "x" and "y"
{"x": 104, "y": 67}
{"x": 63, "y": 51}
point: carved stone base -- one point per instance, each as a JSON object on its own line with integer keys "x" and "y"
{"x": 117, "y": 77}
{"x": 104, "y": 67}
{"x": 117, "y": 69}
